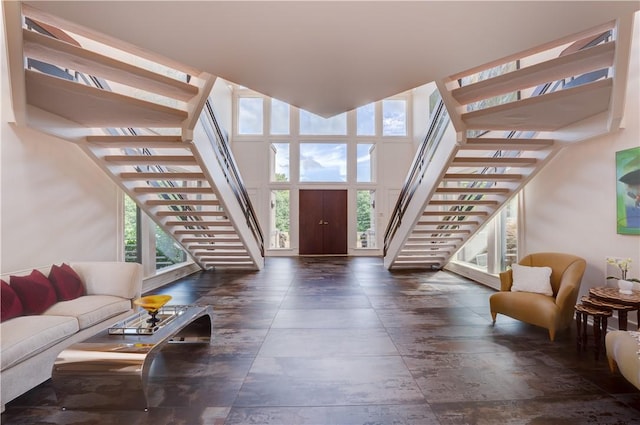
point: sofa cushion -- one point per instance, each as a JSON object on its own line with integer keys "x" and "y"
{"x": 66, "y": 282}
{"x": 110, "y": 278}
{"x": 11, "y": 305}
{"x": 90, "y": 309}
{"x": 26, "y": 336}
{"x": 35, "y": 292}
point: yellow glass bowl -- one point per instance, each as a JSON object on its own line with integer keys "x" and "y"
{"x": 152, "y": 303}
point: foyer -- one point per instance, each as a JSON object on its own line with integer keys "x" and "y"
{"x": 342, "y": 340}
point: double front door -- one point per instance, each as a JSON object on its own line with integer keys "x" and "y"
{"x": 323, "y": 222}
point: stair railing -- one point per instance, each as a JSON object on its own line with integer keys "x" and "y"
{"x": 439, "y": 122}
{"x": 220, "y": 143}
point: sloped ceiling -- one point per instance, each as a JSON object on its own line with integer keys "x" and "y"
{"x": 332, "y": 56}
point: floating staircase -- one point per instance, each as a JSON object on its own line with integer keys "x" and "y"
{"x": 492, "y": 133}
{"x": 150, "y": 126}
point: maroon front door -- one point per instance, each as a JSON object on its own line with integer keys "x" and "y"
{"x": 323, "y": 222}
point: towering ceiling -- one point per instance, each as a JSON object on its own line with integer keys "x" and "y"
{"x": 332, "y": 56}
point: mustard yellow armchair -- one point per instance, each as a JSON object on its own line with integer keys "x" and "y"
{"x": 553, "y": 312}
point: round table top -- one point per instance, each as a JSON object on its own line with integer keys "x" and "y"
{"x": 600, "y": 303}
{"x": 594, "y": 311}
{"x": 613, "y": 295}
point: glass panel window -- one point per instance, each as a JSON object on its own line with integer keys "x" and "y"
{"x": 323, "y": 162}
{"x": 168, "y": 252}
{"x": 475, "y": 251}
{"x": 279, "y": 219}
{"x": 509, "y": 235}
{"x": 279, "y": 117}
{"x": 250, "y": 115}
{"x": 394, "y": 117}
{"x": 366, "y": 120}
{"x": 280, "y": 162}
{"x": 132, "y": 249}
{"x": 365, "y": 162}
{"x": 311, "y": 124}
{"x": 366, "y": 226}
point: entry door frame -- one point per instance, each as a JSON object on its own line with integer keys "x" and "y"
{"x": 323, "y": 222}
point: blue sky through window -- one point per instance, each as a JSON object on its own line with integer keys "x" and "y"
{"x": 323, "y": 162}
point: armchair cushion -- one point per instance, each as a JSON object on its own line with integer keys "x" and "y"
{"x": 531, "y": 279}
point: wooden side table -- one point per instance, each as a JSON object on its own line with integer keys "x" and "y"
{"x": 600, "y": 317}
{"x": 611, "y": 298}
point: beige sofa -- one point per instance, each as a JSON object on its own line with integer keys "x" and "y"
{"x": 623, "y": 353}
{"x": 29, "y": 345}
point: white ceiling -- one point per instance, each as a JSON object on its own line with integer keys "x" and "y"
{"x": 332, "y": 56}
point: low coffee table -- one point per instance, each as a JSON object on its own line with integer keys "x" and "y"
{"x": 110, "y": 370}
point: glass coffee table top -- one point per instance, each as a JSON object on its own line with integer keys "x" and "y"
{"x": 140, "y": 323}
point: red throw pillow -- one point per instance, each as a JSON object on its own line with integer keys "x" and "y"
{"x": 11, "y": 306}
{"x": 66, "y": 282}
{"x": 35, "y": 292}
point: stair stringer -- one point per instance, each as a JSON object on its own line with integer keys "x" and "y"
{"x": 430, "y": 179}
{"x": 206, "y": 156}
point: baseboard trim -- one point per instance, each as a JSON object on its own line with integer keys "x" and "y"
{"x": 168, "y": 275}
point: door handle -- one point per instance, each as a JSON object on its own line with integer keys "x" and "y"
{"x": 326, "y": 222}
{"x": 320, "y": 222}
{"x": 323, "y": 222}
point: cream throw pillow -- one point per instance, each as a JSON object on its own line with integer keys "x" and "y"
{"x": 531, "y": 279}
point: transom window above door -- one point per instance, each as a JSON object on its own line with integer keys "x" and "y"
{"x": 323, "y": 162}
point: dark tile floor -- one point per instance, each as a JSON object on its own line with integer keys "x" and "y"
{"x": 344, "y": 341}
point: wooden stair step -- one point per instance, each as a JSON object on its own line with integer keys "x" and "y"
{"x": 215, "y": 223}
{"x": 93, "y": 107}
{"x": 211, "y": 240}
{"x": 183, "y": 202}
{"x": 435, "y": 241}
{"x": 456, "y": 223}
{"x": 139, "y": 141}
{"x": 235, "y": 251}
{"x": 216, "y": 246}
{"x": 580, "y": 62}
{"x": 548, "y": 112}
{"x": 184, "y": 213}
{"x": 66, "y": 55}
{"x": 169, "y": 176}
{"x": 492, "y": 162}
{"x": 514, "y": 144}
{"x": 174, "y": 190}
{"x": 484, "y": 177}
{"x": 209, "y": 232}
{"x": 231, "y": 256}
{"x": 428, "y": 246}
{"x": 443, "y": 231}
{"x": 150, "y": 159}
{"x": 464, "y": 202}
{"x": 478, "y": 190}
{"x": 455, "y": 213}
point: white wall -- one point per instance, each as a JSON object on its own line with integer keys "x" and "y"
{"x": 222, "y": 103}
{"x": 55, "y": 204}
{"x": 570, "y": 206}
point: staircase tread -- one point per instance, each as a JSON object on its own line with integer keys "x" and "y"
{"x": 580, "y": 62}
{"x": 66, "y": 55}
{"x": 548, "y": 112}
{"x": 93, "y": 107}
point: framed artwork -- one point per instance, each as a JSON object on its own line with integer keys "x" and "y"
{"x": 628, "y": 191}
